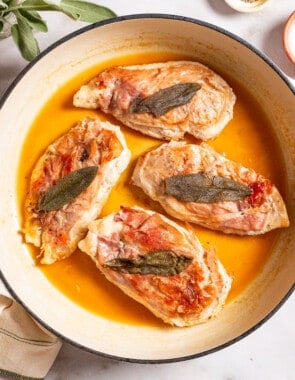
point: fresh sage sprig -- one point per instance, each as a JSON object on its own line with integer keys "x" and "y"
{"x": 21, "y": 18}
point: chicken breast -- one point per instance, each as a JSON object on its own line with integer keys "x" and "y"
{"x": 118, "y": 89}
{"x": 159, "y": 264}
{"x": 91, "y": 143}
{"x": 229, "y": 198}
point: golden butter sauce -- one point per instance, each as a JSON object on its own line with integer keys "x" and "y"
{"x": 246, "y": 139}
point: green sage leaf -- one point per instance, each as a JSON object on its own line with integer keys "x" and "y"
{"x": 44, "y": 5}
{"x": 205, "y": 188}
{"x": 160, "y": 263}
{"x": 22, "y": 35}
{"x": 78, "y": 10}
{"x": 85, "y": 11}
{"x": 67, "y": 188}
{"x": 34, "y": 20}
{"x": 164, "y": 100}
{"x": 38, "y": 5}
{"x": 27, "y": 9}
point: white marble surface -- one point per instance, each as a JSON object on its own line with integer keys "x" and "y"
{"x": 266, "y": 354}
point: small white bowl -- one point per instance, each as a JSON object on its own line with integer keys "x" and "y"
{"x": 289, "y": 37}
{"x": 247, "y": 5}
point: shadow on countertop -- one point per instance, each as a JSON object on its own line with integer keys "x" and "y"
{"x": 8, "y": 72}
{"x": 221, "y": 7}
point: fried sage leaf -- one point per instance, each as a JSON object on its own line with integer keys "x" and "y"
{"x": 67, "y": 188}
{"x": 205, "y": 188}
{"x": 160, "y": 263}
{"x": 164, "y": 100}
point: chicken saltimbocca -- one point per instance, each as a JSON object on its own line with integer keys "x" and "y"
{"x": 195, "y": 183}
{"x": 159, "y": 264}
{"x": 70, "y": 184}
{"x": 151, "y": 258}
{"x": 163, "y": 100}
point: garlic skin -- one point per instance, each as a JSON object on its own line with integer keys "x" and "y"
{"x": 8, "y": 21}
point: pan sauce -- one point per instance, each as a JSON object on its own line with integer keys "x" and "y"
{"x": 246, "y": 139}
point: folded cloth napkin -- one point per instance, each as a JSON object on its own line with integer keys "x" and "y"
{"x": 27, "y": 350}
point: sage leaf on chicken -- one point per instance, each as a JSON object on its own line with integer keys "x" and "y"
{"x": 160, "y": 263}
{"x": 67, "y": 188}
{"x": 20, "y": 18}
{"x": 165, "y": 99}
{"x": 205, "y": 188}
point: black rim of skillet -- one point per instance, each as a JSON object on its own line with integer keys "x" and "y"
{"x": 94, "y": 26}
